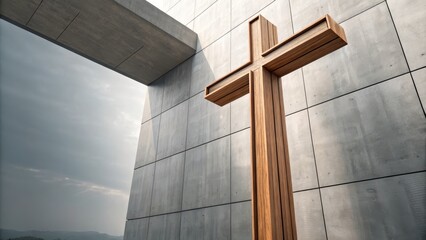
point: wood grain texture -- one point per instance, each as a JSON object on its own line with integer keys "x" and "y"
{"x": 255, "y": 225}
{"x": 283, "y": 161}
{"x": 268, "y": 196}
{"x": 315, "y": 41}
{"x": 230, "y": 92}
{"x": 273, "y": 215}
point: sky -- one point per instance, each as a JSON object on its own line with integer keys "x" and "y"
{"x": 68, "y": 136}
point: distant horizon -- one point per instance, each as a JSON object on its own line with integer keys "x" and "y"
{"x": 63, "y": 231}
{"x": 6, "y": 234}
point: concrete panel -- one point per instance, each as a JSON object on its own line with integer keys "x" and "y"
{"x": 207, "y": 121}
{"x": 213, "y": 23}
{"x": 420, "y": 81}
{"x": 410, "y": 21}
{"x": 305, "y": 12}
{"x": 164, "y": 227}
{"x": 241, "y": 221}
{"x": 52, "y": 17}
{"x": 147, "y": 146}
{"x": 172, "y": 131}
{"x": 19, "y": 11}
{"x": 153, "y": 100}
{"x": 358, "y": 64}
{"x": 177, "y": 83}
{"x": 168, "y": 183}
{"x": 210, "y": 64}
{"x": 207, "y": 175}
{"x": 136, "y": 229}
{"x": 293, "y": 92}
{"x": 388, "y": 208}
{"x": 302, "y": 162}
{"x": 202, "y": 5}
{"x": 309, "y": 215}
{"x": 240, "y": 166}
{"x": 240, "y": 113}
{"x": 378, "y": 131}
{"x": 207, "y": 224}
{"x": 243, "y": 9}
{"x": 240, "y": 51}
{"x": 141, "y": 191}
{"x": 193, "y": 225}
{"x": 183, "y": 11}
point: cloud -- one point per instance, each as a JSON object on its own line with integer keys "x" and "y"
{"x": 82, "y": 186}
{"x": 69, "y": 130}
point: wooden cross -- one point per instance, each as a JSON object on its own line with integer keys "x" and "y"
{"x": 272, "y": 194}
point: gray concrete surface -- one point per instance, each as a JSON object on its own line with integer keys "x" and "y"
{"x": 241, "y": 221}
{"x": 207, "y": 121}
{"x": 358, "y": 64}
{"x": 207, "y": 223}
{"x": 374, "y": 132}
{"x": 154, "y": 99}
{"x": 164, "y": 227}
{"x": 207, "y": 175}
{"x": 176, "y": 85}
{"x": 172, "y": 134}
{"x": 131, "y": 37}
{"x": 141, "y": 192}
{"x": 136, "y": 229}
{"x": 240, "y": 114}
{"x": 240, "y": 166}
{"x": 148, "y": 139}
{"x": 419, "y": 77}
{"x": 168, "y": 183}
{"x": 388, "y": 208}
{"x": 294, "y": 92}
{"x": 309, "y": 215}
{"x": 410, "y": 21}
{"x": 210, "y": 64}
{"x": 305, "y": 12}
{"x": 302, "y": 161}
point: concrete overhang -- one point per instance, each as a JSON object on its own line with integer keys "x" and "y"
{"x": 131, "y": 37}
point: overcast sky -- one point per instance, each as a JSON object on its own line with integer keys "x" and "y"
{"x": 69, "y": 131}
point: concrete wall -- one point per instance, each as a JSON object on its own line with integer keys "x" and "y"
{"x": 355, "y": 120}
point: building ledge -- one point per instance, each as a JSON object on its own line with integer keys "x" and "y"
{"x": 131, "y": 37}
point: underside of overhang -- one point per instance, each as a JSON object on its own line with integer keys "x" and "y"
{"x": 131, "y": 37}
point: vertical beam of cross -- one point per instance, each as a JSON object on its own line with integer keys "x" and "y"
{"x": 272, "y": 196}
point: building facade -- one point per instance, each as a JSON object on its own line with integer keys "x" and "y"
{"x": 356, "y": 125}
